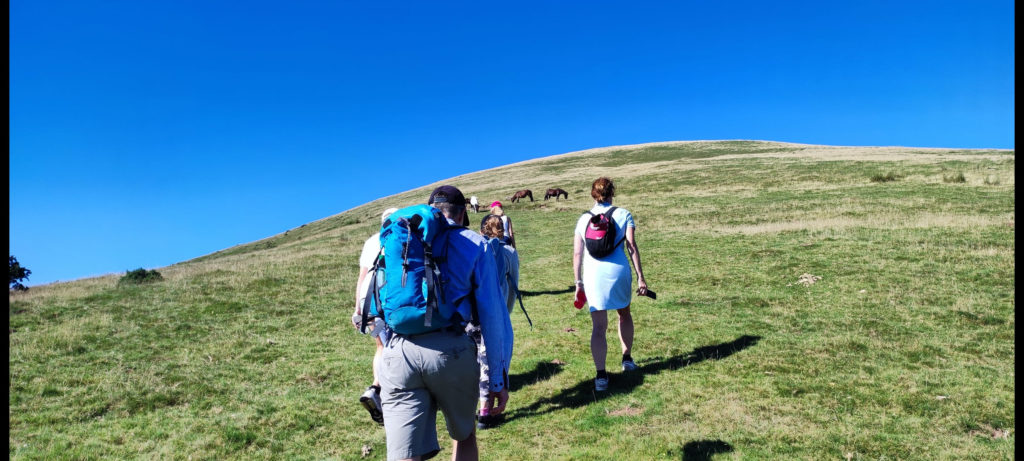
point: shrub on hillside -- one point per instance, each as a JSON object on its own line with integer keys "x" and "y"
{"x": 957, "y": 177}
{"x": 140, "y": 276}
{"x": 885, "y": 177}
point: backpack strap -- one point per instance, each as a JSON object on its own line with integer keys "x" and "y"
{"x": 405, "y": 247}
{"x": 608, "y": 214}
{"x": 519, "y": 296}
{"x": 432, "y": 275}
{"x": 441, "y": 259}
{"x": 429, "y": 268}
{"x": 374, "y": 289}
{"x": 508, "y": 277}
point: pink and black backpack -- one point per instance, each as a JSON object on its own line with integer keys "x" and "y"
{"x": 600, "y": 235}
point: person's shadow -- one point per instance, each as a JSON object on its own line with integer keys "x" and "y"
{"x": 528, "y": 293}
{"x": 583, "y": 392}
{"x": 540, "y": 371}
{"x": 703, "y": 450}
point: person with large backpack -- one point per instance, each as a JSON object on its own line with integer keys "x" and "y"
{"x": 435, "y": 283}
{"x": 507, "y": 262}
{"x": 606, "y": 279}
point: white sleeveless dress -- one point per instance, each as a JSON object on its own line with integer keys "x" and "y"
{"x": 608, "y": 281}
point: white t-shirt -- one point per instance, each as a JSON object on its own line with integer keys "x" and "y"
{"x": 370, "y": 250}
{"x": 504, "y": 225}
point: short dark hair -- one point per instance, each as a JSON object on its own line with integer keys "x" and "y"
{"x": 449, "y": 210}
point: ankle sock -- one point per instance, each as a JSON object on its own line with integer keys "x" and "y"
{"x": 627, "y": 357}
{"x": 602, "y": 374}
{"x": 376, "y": 388}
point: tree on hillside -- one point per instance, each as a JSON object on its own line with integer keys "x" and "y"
{"x": 18, "y": 274}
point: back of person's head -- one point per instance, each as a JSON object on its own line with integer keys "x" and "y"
{"x": 387, "y": 212}
{"x": 450, "y": 201}
{"x": 491, "y": 227}
{"x": 603, "y": 189}
{"x": 496, "y": 208}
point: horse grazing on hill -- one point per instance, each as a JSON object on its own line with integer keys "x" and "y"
{"x": 556, "y": 192}
{"x": 522, "y": 193}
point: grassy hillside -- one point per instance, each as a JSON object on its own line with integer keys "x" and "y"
{"x": 815, "y": 302}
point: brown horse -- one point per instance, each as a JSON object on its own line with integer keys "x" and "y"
{"x": 556, "y": 192}
{"x": 522, "y": 193}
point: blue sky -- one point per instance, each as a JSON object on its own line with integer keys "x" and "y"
{"x": 148, "y": 133}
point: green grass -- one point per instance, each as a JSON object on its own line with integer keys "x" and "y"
{"x": 903, "y": 349}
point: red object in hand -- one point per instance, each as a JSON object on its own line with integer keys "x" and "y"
{"x": 581, "y": 299}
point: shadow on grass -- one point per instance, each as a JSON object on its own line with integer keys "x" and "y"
{"x": 703, "y": 450}
{"x": 527, "y": 293}
{"x": 541, "y": 371}
{"x": 583, "y": 392}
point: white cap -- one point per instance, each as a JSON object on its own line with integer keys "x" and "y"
{"x": 387, "y": 212}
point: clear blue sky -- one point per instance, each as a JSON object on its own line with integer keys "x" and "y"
{"x": 147, "y": 133}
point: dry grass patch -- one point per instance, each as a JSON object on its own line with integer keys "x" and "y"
{"x": 924, "y": 220}
{"x": 876, "y": 154}
{"x": 627, "y": 410}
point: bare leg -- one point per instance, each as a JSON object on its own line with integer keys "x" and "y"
{"x": 465, "y": 450}
{"x": 376, "y": 360}
{"x": 598, "y": 341}
{"x": 626, "y": 329}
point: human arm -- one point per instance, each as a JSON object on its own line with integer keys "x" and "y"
{"x": 511, "y": 233}
{"x": 358, "y": 311}
{"x": 496, "y": 401}
{"x": 359, "y": 288}
{"x": 634, "y": 254}
{"x": 577, "y": 262}
{"x": 514, "y": 266}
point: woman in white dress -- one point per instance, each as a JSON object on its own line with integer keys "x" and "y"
{"x": 607, "y": 281}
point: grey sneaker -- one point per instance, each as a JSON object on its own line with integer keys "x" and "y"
{"x": 371, "y": 401}
{"x": 629, "y": 365}
{"x": 601, "y": 384}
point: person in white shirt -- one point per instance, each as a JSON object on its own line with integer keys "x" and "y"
{"x": 371, "y": 249}
{"x": 497, "y": 210}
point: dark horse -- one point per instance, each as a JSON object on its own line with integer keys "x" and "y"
{"x": 556, "y": 193}
{"x": 522, "y": 193}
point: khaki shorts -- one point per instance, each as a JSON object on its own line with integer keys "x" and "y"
{"x": 420, "y": 375}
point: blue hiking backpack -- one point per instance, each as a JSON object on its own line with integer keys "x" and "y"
{"x": 406, "y": 285}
